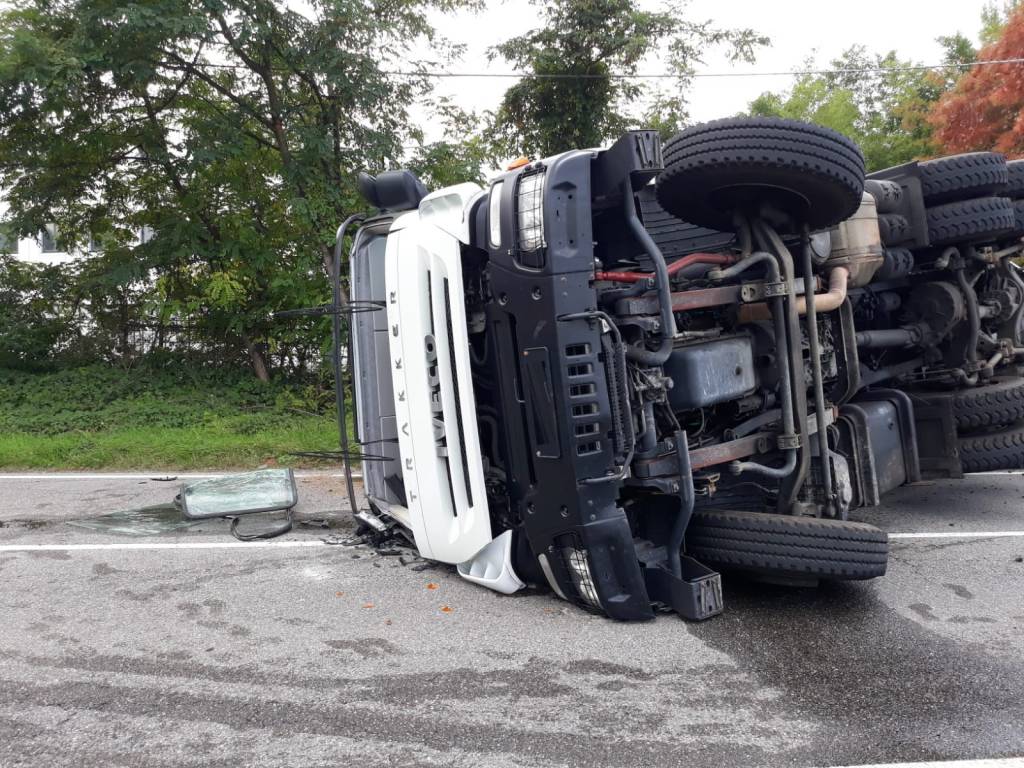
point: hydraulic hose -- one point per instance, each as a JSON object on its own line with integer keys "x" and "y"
{"x": 761, "y": 257}
{"x": 686, "y": 502}
{"x": 676, "y": 266}
{"x": 668, "y": 321}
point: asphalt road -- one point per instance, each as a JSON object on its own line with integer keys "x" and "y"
{"x": 330, "y": 655}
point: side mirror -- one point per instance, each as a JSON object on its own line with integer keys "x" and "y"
{"x": 266, "y": 490}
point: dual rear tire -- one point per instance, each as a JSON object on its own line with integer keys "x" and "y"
{"x": 989, "y": 422}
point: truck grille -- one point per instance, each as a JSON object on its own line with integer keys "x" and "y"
{"x": 585, "y": 409}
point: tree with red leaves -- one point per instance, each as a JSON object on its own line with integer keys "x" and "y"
{"x": 986, "y": 109}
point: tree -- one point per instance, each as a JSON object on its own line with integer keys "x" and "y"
{"x": 578, "y": 92}
{"x": 986, "y": 109}
{"x": 461, "y": 155}
{"x": 994, "y": 17}
{"x": 880, "y": 101}
{"x": 230, "y": 128}
{"x": 35, "y": 317}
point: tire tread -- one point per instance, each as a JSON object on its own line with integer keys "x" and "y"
{"x": 970, "y": 220}
{"x": 781, "y": 544}
{"x": 961, "y": 177}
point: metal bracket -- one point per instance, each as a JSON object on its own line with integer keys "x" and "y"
{"x": 696, "y": 596}
{"x": 752, "y": 292}
{"x": 788, "y": 442}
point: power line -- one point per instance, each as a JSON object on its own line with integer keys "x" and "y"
{"x": 669, "y": 75}
{"x": 444, "y": 74}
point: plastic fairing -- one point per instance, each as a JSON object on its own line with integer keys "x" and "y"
{"x": 491, "y": 567}
{"x": 448, "y": 209}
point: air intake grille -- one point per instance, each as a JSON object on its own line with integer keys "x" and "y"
{"x": 585, "y": 409}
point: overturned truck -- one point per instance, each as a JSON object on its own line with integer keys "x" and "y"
{"x": 619, "y": 373}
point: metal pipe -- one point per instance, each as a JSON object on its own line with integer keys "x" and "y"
{"x": 838, "y": 280}
{"x": 648, "y": 438}
{"x": 686, "y": 501}
{"x": 676, "y": 266}
{"x": 1013, "y": 274}
{"x": 779, "y": 473}
{"x": 889, "y": 337}
{"x": 869, "y": 377}
{"x": 770, "y": 240}
{"x": 817, "y": 382}
{"x": 973, "y": 317}
{"x": 668, "y": 321}
{"x": 337, "y": 299}
{"x": 778, "y": 315}
{"x": 744, "y": 235}
{"x": 761, "y": 257}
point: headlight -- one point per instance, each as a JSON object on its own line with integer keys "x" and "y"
{"x": 494, "y": 214}
{"x": 579, "y": 571}
{"x": 530, "y": 211}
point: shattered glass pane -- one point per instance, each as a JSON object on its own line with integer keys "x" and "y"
{"x": 144, "y": 521}
{"x": 262, "y": 491}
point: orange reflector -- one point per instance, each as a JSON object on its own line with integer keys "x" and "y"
{"x": 519, "y": 162}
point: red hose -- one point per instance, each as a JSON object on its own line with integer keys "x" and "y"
{"x": 721, "y": 259}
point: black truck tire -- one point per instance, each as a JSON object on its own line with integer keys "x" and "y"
{"x": 888, "y": 194}
{"x": 813, "y": 174}
{"x": 1018, "y": 213}
{"x": 787, "y": 546}
{"x": 997, "y": 403}
{"x": 893, "y": 228}
{"x": 983, "y": 218}
{"x": 1014, "y": 179}
{"x": 961, "y": 177}
{"x": 991, "y": 451}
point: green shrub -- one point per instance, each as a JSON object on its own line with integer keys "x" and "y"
{"x": 153, "y": 417}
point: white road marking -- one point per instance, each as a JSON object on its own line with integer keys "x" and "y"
{"x": 1008, "y": 762}
{"x": 160, "y": 545}
{"x": 152, "y": 476}
{"x": 959, "y": 535}
{"x": 320, "y": 543}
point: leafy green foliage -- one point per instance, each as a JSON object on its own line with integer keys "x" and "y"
{"x": 36, "y": 317}
{"x": 883, "y": 111}
{"x": 231, "y": 129}
{"x": 461, "y": 156}
{"x": 994, "y": 17}
{"x": 575, "y": 95}
{"x": 175, "y": 417}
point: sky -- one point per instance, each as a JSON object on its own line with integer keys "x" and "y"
{"x": 797, "y": 29}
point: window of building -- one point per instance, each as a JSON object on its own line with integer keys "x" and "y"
{"x": 48, "y": 239}
{"x": 8, "y": 244}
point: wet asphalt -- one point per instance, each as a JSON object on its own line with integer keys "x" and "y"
{"x": 333, "y": 655}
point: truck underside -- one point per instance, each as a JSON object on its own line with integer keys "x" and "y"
{"x": 619, "y": 373}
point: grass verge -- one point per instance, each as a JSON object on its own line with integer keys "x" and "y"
{"x": 101, "y": 418}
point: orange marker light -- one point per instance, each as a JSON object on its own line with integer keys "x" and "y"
{"x": 519, "y": 162}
